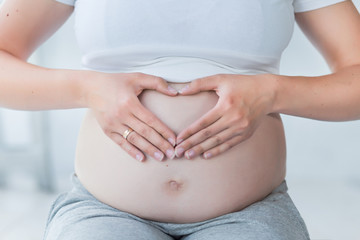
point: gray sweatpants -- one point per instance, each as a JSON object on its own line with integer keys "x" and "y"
{"x": 77, "y": 215}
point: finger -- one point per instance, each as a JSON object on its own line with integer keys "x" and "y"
{"x": 210, "y": 143}
{"x": 199, "y": 138}
{"x": 200, "y": 84}
{"x": 207, "y": 119}
{"x": 225, "y": 146}
{"x": 127, "y": 146}
{"x": 141, "y": 143}
{"x": 147, "y": 117}
{"x": 155, "y": 83}
{"x": 153, "y": 137}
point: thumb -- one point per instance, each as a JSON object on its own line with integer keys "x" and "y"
{"x": 158, "y": 84}
{"x": 198, "y": 85}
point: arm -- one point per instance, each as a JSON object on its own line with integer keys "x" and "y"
{"x": 335, "y": 31}
{"x": 24, "y": 25}
{"x": 245, "y": 100}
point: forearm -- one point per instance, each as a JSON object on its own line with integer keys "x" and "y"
{"x": 24, "y": 86}
{"x": 333, "y": 97}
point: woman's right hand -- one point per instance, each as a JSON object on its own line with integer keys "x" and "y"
{"x": 114, "y": 99}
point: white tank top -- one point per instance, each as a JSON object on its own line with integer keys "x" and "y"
{"x": 184, "y": 40}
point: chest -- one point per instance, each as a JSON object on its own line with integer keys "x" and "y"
{"x": 238, "y": 25}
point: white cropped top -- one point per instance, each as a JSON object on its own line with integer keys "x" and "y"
{"x": 193, "y": 38}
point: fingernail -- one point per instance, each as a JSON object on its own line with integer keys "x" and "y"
{"x": 172, "y": 90}
{"x": 179, "y": 151}
{"x": 207, "y": 155}
{"x": 159, "y": 156}
{"x": 190, "y": 154}
{"x": 139, "y": 157}
{"x": 172, "y": 141}
{"x": 184, "y": 89}
{"x": 170, "y": 153}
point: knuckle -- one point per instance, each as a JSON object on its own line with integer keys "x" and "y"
{"x": 245, "y": 137}
{"x": 203, "y": 124}
{"x": 239, "y": 130}
{"x": 249, "y": 133}
{"x": 238, "y": 115}
{"x": 186, "y": 134}
{"x": 120, "y": 143}
{"x": 137, "y": 75}
{"x": 151, "y": 120}
{"x": 219, "y": 76}
{"x": 162, "y": 146}
{"x": 115, "y": 115}
{"x": 199, "y": 149}
{"x": 187, "y": 144}
{"x": 159, "y": 80}
{"x": 125, "y": 147}
{"x": 128, "y": 148}
{"x": 131, "y": 137}
{"x": 216, "y": 151}
{"x": 108, "y": 132}
{"x": 217, "y": 139}
{"x": 229, "y": 103}
{"x": 227, "y": 146}
{"x": 146, "y": 132}
{"x": 150, "y": 150}
{"x": 165, "y": 134}
{"x": 108, "y": 122}
{"x": 207, "y": 133}
{"x": 125, "y": 103}
{"x": 245, "y": 123}
{"x": 242, "y": 124}
{"x": 196, "y": 83}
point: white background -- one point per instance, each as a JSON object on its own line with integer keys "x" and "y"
{"x": 323, "y": 157}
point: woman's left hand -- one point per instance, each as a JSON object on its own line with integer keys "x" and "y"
{"x": 244, "y": 101}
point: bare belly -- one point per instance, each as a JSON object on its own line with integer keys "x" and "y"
{"x": 181, "y": 190}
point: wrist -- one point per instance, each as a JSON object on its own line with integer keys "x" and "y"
{"x": 275, "y": 86}
{"x": 79, "y": 86}
{"x": 90, "y": 85}
{"x": 269, "y": 83}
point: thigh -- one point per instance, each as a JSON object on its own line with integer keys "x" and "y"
{"x": 110, "y": 228}
{"x": 77, "y": 215}
{"x": 233, "y": 231}
{"x": 274, "y": 218}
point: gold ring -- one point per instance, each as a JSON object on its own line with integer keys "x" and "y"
{"x": 127, "y": 132}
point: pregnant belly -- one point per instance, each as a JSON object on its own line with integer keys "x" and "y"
{"x": 181, "y": 190}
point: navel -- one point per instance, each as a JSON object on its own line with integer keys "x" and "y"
{"x": 174, "y": 185}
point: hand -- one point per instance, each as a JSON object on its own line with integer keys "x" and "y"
{"x": 243, "y": 102}
{"x": 113, "y": 98}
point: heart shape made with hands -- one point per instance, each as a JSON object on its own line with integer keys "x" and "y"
{"x": 178, "y": 112}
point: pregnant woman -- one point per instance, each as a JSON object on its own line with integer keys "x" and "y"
{"x": 183, "y": 137}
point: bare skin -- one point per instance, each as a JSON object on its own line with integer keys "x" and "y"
{"x": 181, "y": 190}
{"x": 124, "y": 173}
